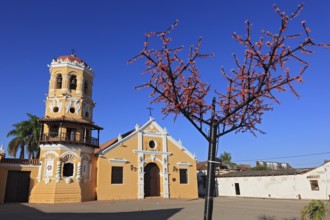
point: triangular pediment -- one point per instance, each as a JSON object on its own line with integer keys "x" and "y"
{"x": 151, "y": 128}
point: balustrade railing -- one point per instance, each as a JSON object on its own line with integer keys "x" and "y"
{"x": 69, "y": 138}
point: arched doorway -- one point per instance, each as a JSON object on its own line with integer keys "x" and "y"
{"x": 151, "y": 180}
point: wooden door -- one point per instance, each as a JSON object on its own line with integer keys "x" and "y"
{"x": 237, "y": 190}
{"x": 151, "y": 180}
{"x": 18, "y": 186}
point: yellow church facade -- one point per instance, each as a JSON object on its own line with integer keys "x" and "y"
{"x": 73, "y": 165}
{"x": 145, "y": 162}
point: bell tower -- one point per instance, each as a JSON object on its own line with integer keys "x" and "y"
{"x": 68, "y": 135}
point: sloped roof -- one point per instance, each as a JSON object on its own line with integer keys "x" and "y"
{"x": 20, "y": 161}
{"x": 202, "y": 165}
{"x": 111, "y": 142}
{"x": 72, "y": 58}
{"x": 281, "y": 172}
{"x": 70, "y": 120}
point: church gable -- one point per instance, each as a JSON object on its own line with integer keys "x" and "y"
{"x": 146, "y": 161}
{"x": 151, "y": 139}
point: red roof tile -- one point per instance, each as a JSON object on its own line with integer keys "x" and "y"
{"x": 20, "y": 161}
{"x": 111, "y": 142}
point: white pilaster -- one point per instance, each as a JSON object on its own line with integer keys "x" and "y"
{"x": 141, "y": 176}
{"x": 165, "y": 168}
{"x": 39, "y": 172}
{"x": 58, "y": 171}
{"x": 79, "y": 172}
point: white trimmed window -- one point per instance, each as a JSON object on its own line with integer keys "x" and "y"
{"x": 116, "y": 175}
{"x": 183, "y": 176}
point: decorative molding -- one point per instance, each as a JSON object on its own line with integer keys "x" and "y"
{"x": 183, "y": 164}
{"x": 69, "y": 157}
{"x": 69, "y": 147}
{"x": 55, "y": 102}
{"x": 72, "y": 101}
{"x": 152, "y": 152}
{"x": 46, "y": 180}
{"x": 85, "y": 157}
{"x": 118, "y": 161}
{"x": 68, "y": 180}
{"x": 50, "y": 155}
{"x": 73, "y": 64}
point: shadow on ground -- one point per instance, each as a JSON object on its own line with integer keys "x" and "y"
{"x": 19, "y": 211}
{"x": 265, "y": 217}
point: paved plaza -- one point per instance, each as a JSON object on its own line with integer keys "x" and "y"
{"x": 158, "y": 209}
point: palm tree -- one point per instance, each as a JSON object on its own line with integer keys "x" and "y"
{"x": 225, "y": 158}
{"x": 26, "y": 137}
{"x": 315, "y": 210}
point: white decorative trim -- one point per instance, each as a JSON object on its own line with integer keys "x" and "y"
{"x": 85, "y": 157}
{"x": 46, "y": 180}
{"x": 151, "y": 152}
{"x": 144, "y": 133}
{"x": 153, "y": 158}
{"x": 55, "y": 102}
{"x": 58, "y": 171}
{"x": 75, "y": 102}
{"x": 39, "y": 172}
{"x": 118, "y": 160}
{"x": 70, "y": 156}
{"x": 50, "y": 154}
{"x": 140, "y": 141}
{"x": 68, "y": 180}
{"x": 79, "y": 172}
{"x": 183, "y": 164}
{"x": 69, "y": 147}
{"x": 67, "y": 63}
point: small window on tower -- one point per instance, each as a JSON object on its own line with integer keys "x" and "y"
{"x": 59, "y": 81}
{"x": 73, "y": 82}
{"x": 86, "y": 87}
{"x": 72, "y": 110}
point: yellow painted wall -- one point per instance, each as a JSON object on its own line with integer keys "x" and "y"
{"x": 177, "y": 190}
{"x": 129, "y": 188}
{"x": 62, "y": 192}
{"x": 4, "y": 168}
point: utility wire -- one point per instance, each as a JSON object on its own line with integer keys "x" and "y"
{"x": 293, "y": 156}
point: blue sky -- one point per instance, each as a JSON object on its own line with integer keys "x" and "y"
{"x": 106, "y": 34}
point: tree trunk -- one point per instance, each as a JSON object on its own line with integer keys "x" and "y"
{"x": 208, "y": 208}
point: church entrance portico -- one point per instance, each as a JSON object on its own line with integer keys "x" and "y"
{"x": 151, "y": 180}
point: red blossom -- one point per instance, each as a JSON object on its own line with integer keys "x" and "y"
{"x": 252, "y": 85}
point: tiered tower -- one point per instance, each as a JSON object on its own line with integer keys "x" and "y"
{"x": 68, "y": 165}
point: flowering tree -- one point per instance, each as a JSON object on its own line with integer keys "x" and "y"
{"x": 252, "y": 85}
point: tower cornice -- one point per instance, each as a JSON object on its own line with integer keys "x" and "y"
{"x": 72, "y": 63}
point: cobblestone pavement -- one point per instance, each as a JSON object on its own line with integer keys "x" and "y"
{"x": 158, "y": 209}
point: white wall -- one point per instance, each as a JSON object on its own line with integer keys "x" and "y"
{"x": 284, "y": 186}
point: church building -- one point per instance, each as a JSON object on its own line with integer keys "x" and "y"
{"x": 75, "y": 167}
